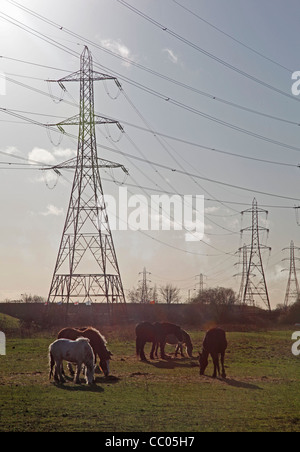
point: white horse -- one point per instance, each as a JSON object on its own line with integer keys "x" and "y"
{"x": 171, "y": 339}
{"x": 79, "y": 352}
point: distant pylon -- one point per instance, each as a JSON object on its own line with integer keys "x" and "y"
{"x": 292, "y": 288}
{"x": 86, "y": 269}
{"x": 145, "y": 291}
{"x": 256, "y": 286}
{"x": 243, "y": 275}
{"x": 201, "y": 282}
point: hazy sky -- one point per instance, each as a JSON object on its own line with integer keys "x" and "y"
{"x": 232, "y": 63}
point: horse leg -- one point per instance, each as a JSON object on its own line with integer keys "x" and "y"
{"x": 71, "y": 369}
{"x": 162, "y": 350}
{"x": 153, "y": 350}
{"x": 215, "y": 358}
{"x": 156, "y": 350}
{"x": 181, "y": 350}
{"x": 78, "y": 369}
{"x": 222, "y": 362}
{"x": 56, "y": 377}
{"x": 142, "y": 353}
{"x": 59, "y": 369}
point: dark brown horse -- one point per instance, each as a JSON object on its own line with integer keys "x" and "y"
{"x": 97, "y": 342}
{"x": 171, "y": 339}
{"x": 155, "y": 333}
{"x": 214, "y": 344}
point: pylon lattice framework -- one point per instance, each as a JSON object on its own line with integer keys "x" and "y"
{"x": 256, "y": 286}
{"x": 86, "y": 268}
{"x": 145, "y": 290}
{"x": 292, "y": 288}
{"x": 243, "y": 251}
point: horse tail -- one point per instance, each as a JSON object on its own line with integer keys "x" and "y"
{"x": 51, "y": 364}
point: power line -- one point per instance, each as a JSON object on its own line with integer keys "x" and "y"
{"x": 161, "y": 96}
{"x": 151, "y": 71}
{"x": 232, "y": 37}
{"x": 204, "y": 52}
{"x": 173, "y": 170}
{"x": 156, "y": 133}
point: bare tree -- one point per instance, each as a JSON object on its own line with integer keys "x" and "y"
{"x": 135, "y": 294}
{"x": 170, "y": 294}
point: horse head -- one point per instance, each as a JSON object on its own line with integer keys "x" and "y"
{"x": 203, "y": 361}
{"x": 178, "y": 333}
{"x": 188, "y": 343}
{"x": 104, "y": 361}
{"x": 189, "y": 349}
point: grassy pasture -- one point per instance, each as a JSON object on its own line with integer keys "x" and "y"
{"x": 261, "y": 392}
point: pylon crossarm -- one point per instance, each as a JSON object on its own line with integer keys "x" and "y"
{"x": 72, "y": 164}
{"x": 76, "y": 77}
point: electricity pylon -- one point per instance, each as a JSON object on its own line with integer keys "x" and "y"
{"x": 201, "y": 282}
{"x": 292, "y": 288}
{"x": 243, "y": 276}
{"x": 145, "y": 291}
{"x": 86, "y": 268}
{"x": 256, "y": 286}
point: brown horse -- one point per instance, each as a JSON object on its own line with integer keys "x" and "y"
{"x": 97, "y": 342}
{"x": 155, "y": 333}
{"x": 215, "y": 344}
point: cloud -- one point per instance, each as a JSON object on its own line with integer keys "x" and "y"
{"x": 52, "y": 210}
{"x": 38, "y": 155}
{"x": 65, "y": 153}
{"x": 11, "y": 150}
{"x": 116, "y": 46}
{"x": 171, "y": 55}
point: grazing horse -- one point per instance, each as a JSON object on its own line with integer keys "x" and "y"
{"x": 155, "y": 333}
{"x": 97, "y": 341}
{"x": 171, "y": 339}
{"x": 78, "y": 351}
{"x": 215, "y": 344}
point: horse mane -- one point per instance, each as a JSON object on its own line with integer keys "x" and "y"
{"x": 186, "y": 336}
{"x": 82, "y": 339}
{"x": 96, "y": 332}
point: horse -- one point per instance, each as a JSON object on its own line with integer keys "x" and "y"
{"x": 155, "y": 333}
{"x": 78, "y": 351}
{"x": 171, "y": 339}
{"x": 214, "y": 343}
{"x": 97, "y": 341}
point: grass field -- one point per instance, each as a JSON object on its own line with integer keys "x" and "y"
{"x": 261, "y": 392}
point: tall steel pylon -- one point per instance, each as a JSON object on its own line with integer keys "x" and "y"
{"x": 201, "y": 282}
{"x": 256, "y": 286}
{"x": 86, "y": 269}
{"x": 243, "y": 251}
{"x": 145, "y": 291}
{"x": 292, "y": 288}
